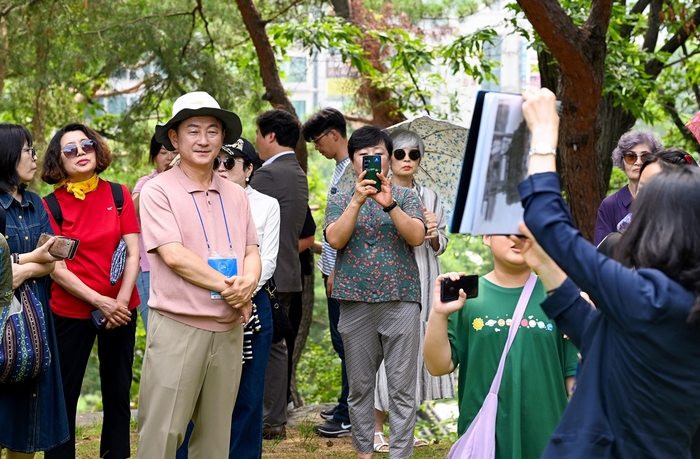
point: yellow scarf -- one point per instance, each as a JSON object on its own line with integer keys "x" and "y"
{"x": 79, "y": 189}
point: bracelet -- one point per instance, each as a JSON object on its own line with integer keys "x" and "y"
{"x": 15, "y": 258}
{"x": 391, "y": 206}
{"x": 549, "y": 292}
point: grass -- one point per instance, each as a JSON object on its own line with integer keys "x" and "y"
{"x": 301, "y": 443}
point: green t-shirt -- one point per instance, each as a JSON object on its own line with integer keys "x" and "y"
{"x": 532, "y": 396}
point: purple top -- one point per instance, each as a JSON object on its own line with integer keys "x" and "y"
{"x": 613, "y": 209}
{"x": 145, "y": 266}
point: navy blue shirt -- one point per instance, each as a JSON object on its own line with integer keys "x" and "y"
{"x": 26, "y": 221}
{"x": 638, "y": 391}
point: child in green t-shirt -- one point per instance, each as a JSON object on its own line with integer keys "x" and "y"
{"x": 540, "y": 365}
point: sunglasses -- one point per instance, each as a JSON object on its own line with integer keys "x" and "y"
{"x": 631, "y": 158}
{"x": 401, "y": 154}
{"x": 71, "y": 151}
{"x": 229, "y": 163}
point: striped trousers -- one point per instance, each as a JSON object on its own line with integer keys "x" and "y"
{"x": 372, "y": 332}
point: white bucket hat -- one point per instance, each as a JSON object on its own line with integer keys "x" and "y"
{"x": 199, "y": 103}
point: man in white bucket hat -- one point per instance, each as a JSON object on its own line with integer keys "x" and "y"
{"x": 201, "y": 242}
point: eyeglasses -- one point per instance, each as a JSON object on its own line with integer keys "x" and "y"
{"x": 32, "y": 152}
{"x": 631, "y": 157}
{"x": 318, "y": 139}
{"x": 71, "y": 151}
{"x": 229, "y": 163}
{"x": 401, "y": 154}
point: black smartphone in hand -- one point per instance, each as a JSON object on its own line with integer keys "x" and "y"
{"x": 373, "y": 165}
{"x": 97, "y": 317}
{"x": 449, "y": 289}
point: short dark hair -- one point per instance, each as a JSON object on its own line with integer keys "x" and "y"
{"x": 154, "y": 149}
{"x": 664, "y": 232}
{"x": 669, "y": 158}
{"x": 328, "y": 119}
{"x": 285, "y": 126}
{"x": 52, "y": 172}
{"x": 12, "y": 138}
{"x": 369, "y": 136}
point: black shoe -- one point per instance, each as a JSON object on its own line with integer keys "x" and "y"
{"x": 334, "y": 429}
{"x": 328, "y": 414}
{"x": 275, "y": 432}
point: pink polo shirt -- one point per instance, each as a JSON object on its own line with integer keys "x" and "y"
{"x": 169, "y": 214}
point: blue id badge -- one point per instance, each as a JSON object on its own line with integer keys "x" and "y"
{"x": 226, "y": 265}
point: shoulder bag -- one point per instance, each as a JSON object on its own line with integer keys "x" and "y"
{"x": 479, "y": 441}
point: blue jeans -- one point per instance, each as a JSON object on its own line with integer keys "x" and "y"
{"x": 341, "y": 413}
{"x": 247, "y": 419}
{"x": 143, "y": 285}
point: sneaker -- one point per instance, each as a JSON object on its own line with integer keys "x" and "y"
{"x": 328, "y": 414}
{"x": 334, "y": 429}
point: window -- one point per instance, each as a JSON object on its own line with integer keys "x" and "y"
{"x": 296, "y": 69}
{"x": 493, "y": 52}
{"x": 300, "y": 108}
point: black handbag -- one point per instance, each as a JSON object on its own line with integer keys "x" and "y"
{"x": 281, "y": 326}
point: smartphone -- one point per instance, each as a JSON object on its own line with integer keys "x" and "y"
{"x": 63, "y": 247}
{"x": 373, "y": 165}
{"x": 449, "y": 289}
{"x": 97, "y": 317}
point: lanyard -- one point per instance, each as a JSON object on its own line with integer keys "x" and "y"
{"x": 206, "y": 238}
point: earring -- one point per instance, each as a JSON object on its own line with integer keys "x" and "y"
{"x": 247, "y": 179}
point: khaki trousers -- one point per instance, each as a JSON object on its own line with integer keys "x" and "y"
{"x": 188, "y": 373}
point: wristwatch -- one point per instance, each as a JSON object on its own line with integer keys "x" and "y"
{"x": 542, "y": 148}
{"x": 391, "y": 206}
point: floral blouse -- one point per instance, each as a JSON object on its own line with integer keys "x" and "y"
{"x": 377, "y": 264}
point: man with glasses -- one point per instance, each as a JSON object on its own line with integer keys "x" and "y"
{"x": 282, "y": 178}
{"x": 195, "y": 226}
{"x": 327, "y": 130}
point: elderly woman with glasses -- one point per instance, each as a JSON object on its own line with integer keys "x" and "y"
{"x": 33, "y": 414}
{"x": 89, "y": 212}
{"x": 632, "y": 149}
{"x": 405, "y": 160}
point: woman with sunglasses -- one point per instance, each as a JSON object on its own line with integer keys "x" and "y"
{"x": 405, "y": 161}
{"x": 632, "y": 149}
{"x": 161, "y": 157}
{"x": 75, "y": 157}
{"x": 33, "y": 412}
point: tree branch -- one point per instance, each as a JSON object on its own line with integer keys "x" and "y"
{"x": 670, "y": 107}
{"x": 555, "y": 27}
{"x": 654, "y": 67}
{"x": 599, "y": 18}
{"x": 9, "y": 8}
{"x": 281, "y": 12}
{"x": 137, "y": 20}
{"x": 653, "y": 26}
{"x": 358, "y": 119}
{"x": 638, "y": 8}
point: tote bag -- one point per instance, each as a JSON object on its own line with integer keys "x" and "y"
{"x": 24, "y": 350}
{"x": 479, "y": 441}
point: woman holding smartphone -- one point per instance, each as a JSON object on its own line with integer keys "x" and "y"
{"x": 377, "y": 285}
{"x": 33, "y": 412}
{"x": 75, "y": 157}
{"x": 406, "y": 158}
